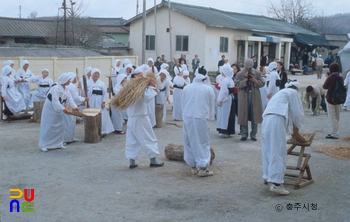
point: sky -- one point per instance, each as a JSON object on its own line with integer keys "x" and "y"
{"x": 127, "y": 8}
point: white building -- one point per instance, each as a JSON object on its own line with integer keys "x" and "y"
{"x": 211, "y": 33}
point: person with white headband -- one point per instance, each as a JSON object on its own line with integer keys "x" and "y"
{"x": 273, "y": 81}
{"x": 116, "y": 69}
{"x": 149, "y": 67}
{"x": 186, "y": 75}
{"x": 97, "y": 97}
{"x": 198, "y": 100}
{"x": 163, "y": 87}
{"x": 87, "y": 72}
{"x": 179, "y": 83}
{"x": 128, "y": 69}
{"x": 24, "y": 76}
{"x": 13, "y": 100}
{"x": 11, "y": 64}
{"x": 44, "y": 84}
{"x": 70, "y": 120}
{"x": 118, "y": 115}
{"x": 284, "y": 114}
{"x": 52, "y": 124}
{"x": 226, "y": 107}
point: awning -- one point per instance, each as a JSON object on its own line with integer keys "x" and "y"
{"x": 313, "y": 41}
{"x": 270, "y": 38}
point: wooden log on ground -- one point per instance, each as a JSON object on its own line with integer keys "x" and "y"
{"x": 92, "y": 126}
{"x": 176, "y": 152}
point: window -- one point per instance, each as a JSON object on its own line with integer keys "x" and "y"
{"x": 150, "y": 42}
{"x": 182, "y": 43}
{"x": 223, "y": 44}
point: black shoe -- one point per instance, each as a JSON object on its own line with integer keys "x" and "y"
{"x": 330, "y": 137}
{"x": 254, "y": 139}
{"x": 133, "y": 166}
{"x": 156, "y": 164}
{"x": 243, "y": 138}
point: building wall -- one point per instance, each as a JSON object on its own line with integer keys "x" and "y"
{"x": 123, "y": 38}
{"x": 57, "y": 66}
{"x": 181, "y": 25}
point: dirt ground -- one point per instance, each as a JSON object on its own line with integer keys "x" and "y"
{"x": 92, "y": 182}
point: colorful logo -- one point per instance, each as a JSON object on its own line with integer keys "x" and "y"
{"x": 16, "y": 194}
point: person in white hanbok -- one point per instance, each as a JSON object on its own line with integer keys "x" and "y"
{"x": 163, "y": 87}
{"x": 139, "y": 133}
{"x": 346, "y": 105}
{"x": 52, "y": 124}
{"x": 283, "y": 114}
{"x": 183, "y": 65}
{"x": 117, "y": 114}
{"x": 168, "y": 76}
{"x": 126, "y": 62}
{"x": 97, "y": 97}
{"x": 225, "y": 124}
{"x": 70, "y": 120}
{"x": 216, "y": 88}
{"x": 186, "y": 77}
{"x": 179, "y": 83}
{"x": 128, "y": 69}
{"x": 87, "y": 72}
{"x": 149, "y": 67}
{"x": 24, "y": 76}
{"x": 44, "y": 84}
{"x": 273, "y": 80}
{"x": 115, "y": 71}
{"x": 13, "y": 100}
{"x": 263, "y": 90}
{"x": 12, "y": 64}
{"x": 198, "y": 102}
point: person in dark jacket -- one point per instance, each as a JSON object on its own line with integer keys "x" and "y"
{"x": 332, "y": 108}
{"x": 158, "y": 63}
{"x": 282, "y": 73}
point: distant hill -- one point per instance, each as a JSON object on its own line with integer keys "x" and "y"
{"x": 334, "y": 24}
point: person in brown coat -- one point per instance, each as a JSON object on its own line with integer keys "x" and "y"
{"x": 248, "y": 81}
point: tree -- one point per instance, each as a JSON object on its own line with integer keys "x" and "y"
{"x": 33, "y": 15}
{"x": 298, "y": 12}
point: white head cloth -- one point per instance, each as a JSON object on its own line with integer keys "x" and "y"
{"x": 164, "y": 71}
{"x": 23, "y": 63}
{"x": 164, "y": 65}
{"x": 95, "y": 70}
{"x": 120, "y": 78}
{"x": 272, "y": 66}
{"x": 126, "y": 62}
{"x": 186, "y": 73}
{"x": 199, "y": 77}
{"x": 150, "y": 59}
{"x": 288, "y": 84}
{"x": 6, "y": 70}
{"x": 72, "y": 76}
{"x": 227, "y": 70}
{"x": 48, "y": 72}
{"x": 64, "y": 78}
{"x": 9, "y": 62}
{"x": 87, "y": 70}
{"x": 115, "y": 63}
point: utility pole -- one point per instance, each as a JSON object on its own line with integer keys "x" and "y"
{"x": 65, "y": 21}
{"x": 20, "y": 11}
{"x": 170, "y": 38}
{"x": 143, "y": 57}
{"x": 155, "y": 27}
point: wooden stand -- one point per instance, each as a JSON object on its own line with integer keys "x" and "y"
{"x": 302, "y": 165}
{"x": 92, "y": 126}
{"x": 38, "y": 108}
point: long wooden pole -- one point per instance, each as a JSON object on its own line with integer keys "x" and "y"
{"x": 155, "y": 27}
{"x": 144, "y": 33}
{"x": 85, "y": 90}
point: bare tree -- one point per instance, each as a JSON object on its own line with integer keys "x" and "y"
{"x": 297, "y": 12}
{"x": 33, "y": 14}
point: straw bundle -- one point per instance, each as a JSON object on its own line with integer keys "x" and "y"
{"x": 132, "y": 92}
{"x": 299, "y": 138}
{"x": 341, "y": 152}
